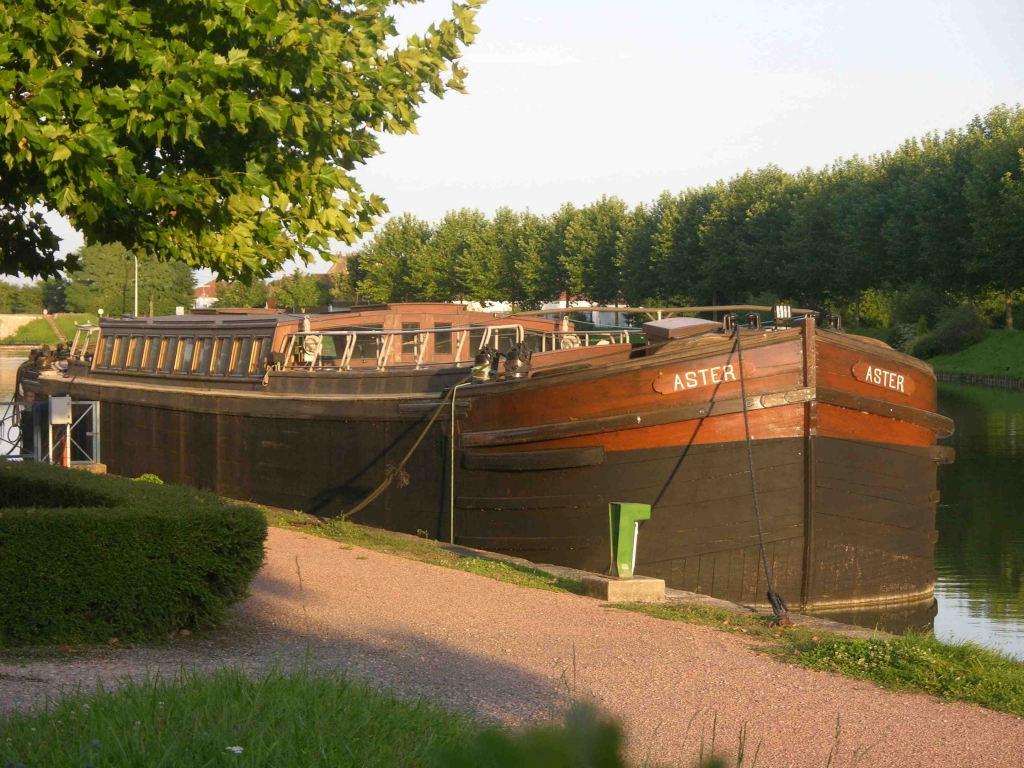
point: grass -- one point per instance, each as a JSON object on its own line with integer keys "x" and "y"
{"x": 914, "y": 662}
{"x": 280, "y": 720}
{"x": 294, "y": 721}
{"x": 35, "y": 332}
{"x": 1001, "y": 353}
{"x": 67, "y": 323}
{"x": 39, "y": 331}
{"x": 424, "y": 550}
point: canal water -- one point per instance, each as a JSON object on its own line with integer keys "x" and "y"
{"x": 980, "y": 553}
{"x": 10, "y": 359}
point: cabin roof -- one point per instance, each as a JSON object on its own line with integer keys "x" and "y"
{"x": 198, "y": 321}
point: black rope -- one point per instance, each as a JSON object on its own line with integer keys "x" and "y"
{"x": 774, "y": 598}
{"x": 392, "y": 472}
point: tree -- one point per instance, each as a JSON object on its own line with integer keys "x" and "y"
{"x": 465, "y": 259}
{"x": 589, "y": 255}
{"x": 995, "y": 194}
{"x": 744, "y": 234}
{"x": 634, "y": 251}
{"x": 106, "y": 280}
{"x": 556, "y": 274}
{"x": 678, "y": 258}
{"x": 532, "y": 285}
{"x": 221, "y": 134}
{"x": 300, "y": 291}
{"x": 21, "y": 299}
{"x": 235, "y": 293}
{"x": 384, "y": 267}
{"x": 54, "y": 294}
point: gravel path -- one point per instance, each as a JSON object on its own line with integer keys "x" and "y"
{"x": 519, "y": 655}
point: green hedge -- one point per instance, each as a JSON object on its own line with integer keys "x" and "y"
{"x": 84, "y": 558}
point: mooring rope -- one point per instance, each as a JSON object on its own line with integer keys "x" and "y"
{"x": 774, "y": 598}
{"x": 392, "y": 472}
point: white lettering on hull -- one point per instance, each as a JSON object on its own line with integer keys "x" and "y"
{"x": 703, "y": 376}
{"x": 709, "y": 377}
{"x": 880, "y": 377}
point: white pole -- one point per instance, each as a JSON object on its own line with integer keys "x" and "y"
{"x": 136, "y": 286}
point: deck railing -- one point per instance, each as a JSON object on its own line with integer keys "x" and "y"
{"x": 304, "y": 350}
{"x": 554, "y": 340}
{"x": 82, "y": 342}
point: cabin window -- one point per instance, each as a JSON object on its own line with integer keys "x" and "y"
{"x": 262, "y": 353}
{"x": 409, "y": 339}
{"x": 442, "y": 339}
{"x": 328, "y": 349}
{"x": 503, "y": 340}
{"x": 135, "y": 351}
{"x": 476, "y": 340}
{"x": 170, "y": 354}
{"x": 120, "y": 352}
{"x": 186, "y": 350}
{"x": 223, "y": 356}
{"x": 366, "y": 346}
{"x": 243, "y": 356}
{"x": 152, "y": 354}
{"x": 204, "y": 356}
{"x": 108, "y": 351}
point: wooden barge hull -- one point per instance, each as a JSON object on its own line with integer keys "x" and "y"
{"x": 845, "y": 467}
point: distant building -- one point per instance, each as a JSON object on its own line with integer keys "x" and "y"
{"x": 340, "y": 266}
{"x": 206, "y": 295}
{"x": 597, "y": 319}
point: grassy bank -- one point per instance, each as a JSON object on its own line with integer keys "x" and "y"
{"x": 425, "y": 550}
{"x": 956, "y": 672}
{"x": 914, "y": 662}
{"x": 67, "y": 323}
{"x": 1000, "y": 353}
{"x": 40, "y": 332}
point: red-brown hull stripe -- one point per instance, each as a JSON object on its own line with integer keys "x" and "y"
{"x": 940, "y": 426}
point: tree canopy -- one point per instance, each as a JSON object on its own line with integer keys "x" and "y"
{"x": 218, "y": 133}
{"x": 237, "y": 294}
{"x": 300, "y": 291}
{"x": 943, "y": 215}
{"x": 106, "y": 280}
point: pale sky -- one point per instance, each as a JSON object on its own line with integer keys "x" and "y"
{"x": 572, "y": 99}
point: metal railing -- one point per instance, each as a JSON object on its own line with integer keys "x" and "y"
{"x": 659, "y": 313}
{"x": 82, "y": 341}
{"x": 28, "y": 434}
{"x": 555, "y": 340}
{"x": 304, "y": 350}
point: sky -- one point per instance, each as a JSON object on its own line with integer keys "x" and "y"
{"x": 573, "y": 99}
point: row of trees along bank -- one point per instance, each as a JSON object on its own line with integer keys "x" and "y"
{"x": 941, "y": 215}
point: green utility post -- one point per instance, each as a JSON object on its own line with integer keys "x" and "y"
{"x": 624, "y": 526}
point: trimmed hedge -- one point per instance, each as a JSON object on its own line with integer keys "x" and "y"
{"x": 85, "y": 558}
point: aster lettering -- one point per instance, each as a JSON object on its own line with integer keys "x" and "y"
{"x": 870, "y": 373}
{"x": 711, "y": 376}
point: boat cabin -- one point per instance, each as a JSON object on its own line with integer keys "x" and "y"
{"x": 238, "y": 345}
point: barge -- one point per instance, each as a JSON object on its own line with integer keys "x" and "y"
{"x": 513, "y": 434}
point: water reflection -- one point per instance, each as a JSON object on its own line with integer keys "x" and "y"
{"x": 9, "y": 362}
{"x": 980, "y": 553}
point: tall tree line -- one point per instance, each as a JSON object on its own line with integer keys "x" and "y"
{"x": 945, "y": 211}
